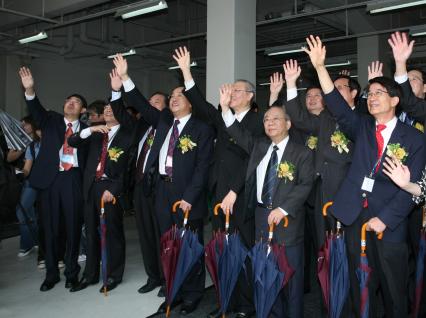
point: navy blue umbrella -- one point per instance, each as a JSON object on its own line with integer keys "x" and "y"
{"x": 420, "y": 268}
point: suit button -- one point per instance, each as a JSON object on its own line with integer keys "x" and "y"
{"x": 317, "y": 173}
{"x": 325, "y": 162}
{"x": 364, "y": 195}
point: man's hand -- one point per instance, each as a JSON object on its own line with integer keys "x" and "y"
{"x": 291, "y": 72}
{"x": 107, "y": 196}
{"x": 376, "y": 225}
{"x": 401, "y": 49}
{"x": 183, "y": 58}
{"x": 375, "y": 69}
{"x": 228, "y": 202}
{"x": 100, "y": 129}
{"x": 345, "y": 72}
{"x": 185, "y": 206}
{"x": 275, "y": 216}
{"x": 27, "y": 80}
{"x": 120, "y": 64}
{"x": 276, "y": 83}
{"x": 115, "y": 80}
{"x": 225, "y": 97}
{"x": 316, "y": 51}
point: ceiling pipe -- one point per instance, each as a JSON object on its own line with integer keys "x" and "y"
{"x": 2, "y": 9}
{"x": 70, "y": 42}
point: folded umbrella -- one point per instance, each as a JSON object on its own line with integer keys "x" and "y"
{"x": 420, "y": 268}
{"x": 15, "y": 135}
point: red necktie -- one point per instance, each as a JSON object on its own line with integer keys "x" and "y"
{"x": 380, "y": 143}
{"x": 101, "y": 166}
{"x": 145, "y": 148}
{"x": 67, "y": 150}
{"x": 172, "y": 143}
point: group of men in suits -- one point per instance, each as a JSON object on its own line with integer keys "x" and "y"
{"x": 257, "y": 169}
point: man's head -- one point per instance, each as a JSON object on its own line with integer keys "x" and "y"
{"x": 314, "y": 101}
{"x": 96, "y": 112}
{"x": 243, "y": 95}
{"x": 179, "y": 105}
{"x": 28, "y": 125}
{"x": 383, "y": 95}
{"x": 158, "y": 100}
{"x": 276, "y": 123}
{"x": 416, "y": 78}
{"x": 73, "y": 106}
{"x": 109, "y": 116}
{"x": 348, "y": 88}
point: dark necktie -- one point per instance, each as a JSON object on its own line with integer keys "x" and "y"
{"x": 172, "y": 143}
{"x": 142, "y": 155}
{"x": 380, "y": 143}
{"x": 270, "y": 178}
{"x": 101, "y": 166}
{"x": 67, "y": 150}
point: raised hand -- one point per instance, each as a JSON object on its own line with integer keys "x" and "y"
{"x": 183, "y": 58}
{"x": 276, "y": 83}
{"x": 225, "y": 97}
{"x": 121, "y": 67}
{"x": 291, "y": 72}
{"x": 401, "y": 48}
{"x": 103, "y": 129}
{"x": 27, "y": 80}
{"x": 345, "y": 72}
{"x": 375, "y": 69}
{"x": 316, "y": 51}
{"x": 115, "y": 80}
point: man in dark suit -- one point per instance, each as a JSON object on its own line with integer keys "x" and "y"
{"x": 369, "y": 196}
{"x": 180, "y": 155}
{"x": 106, "y": 164}
{"x": 146, "y": 221}
{"x": 226, "y": 180}
{"x": 278, "y": 180}
{"x": 57, "y": 173}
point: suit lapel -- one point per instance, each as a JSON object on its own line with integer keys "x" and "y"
{"x": 287, "y": 156}
{"x": 258, "y": 155}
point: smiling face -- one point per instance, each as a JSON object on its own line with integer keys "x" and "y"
{"x": 73, "y": 107}
{"x": 109, "y": 116}
{"x": 314, "y": 101}
{"x": 342, "y": 85}
{"x": 241, "y": 96}
{"x": 179, "y": 104}
{"x": 158, "y": 101}
{"x": 417, "y": 83}
{"x": 276, "y": 124}
{"x": 380, "y": 104}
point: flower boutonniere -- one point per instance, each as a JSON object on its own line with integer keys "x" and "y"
{"x": 339, "y": 141}
{"x": 420, "y": 127}
{"x": 396, "y": 151}
{"x": 286, "y": 171}
{"x": 186, "y": 144}
{"x": 114, "y": 153}
{"x": 150, "y": 140}
{"x": 312, "y": 142}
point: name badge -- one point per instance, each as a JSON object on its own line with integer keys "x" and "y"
{"x": 367, "y": 184}
{"x": 67, "y": 159}
{"x": 169, "y": 161}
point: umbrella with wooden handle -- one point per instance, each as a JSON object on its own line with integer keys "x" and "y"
{"x": 104, "y": 255}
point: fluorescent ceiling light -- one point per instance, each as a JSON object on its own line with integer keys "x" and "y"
{"x": 339, "y": 64}
{"x": 285, "y": 49}
{"x": 130, "y": 52}
{"x": 354, "y": 76}
{"x": 42, "y": 35}
{"x": 386, "y": 5}
{"x": 285, "y": 52}
{"x": 264, "y": 84}
{"x": 177, "y": 66}
{"x": 142, "y": 7}
{"x": 418, "y": 30}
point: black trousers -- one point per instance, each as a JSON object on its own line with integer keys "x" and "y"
{"x": 149, "y": 233}
{"x": 389, "y": 264}
{"x": 193, "y": 287}
{"x": 62, "y": 200}
{"x": 115, "y": 241}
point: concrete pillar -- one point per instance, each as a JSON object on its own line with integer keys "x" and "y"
{"x": 231, "y": 44}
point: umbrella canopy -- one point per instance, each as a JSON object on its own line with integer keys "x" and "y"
{"x": 270, "y": 273}
{"x": 420, "y": 268}
{"x": 104, "y": 254}
{"x": 16, "y": 137}
{"x": 211, "y": 252}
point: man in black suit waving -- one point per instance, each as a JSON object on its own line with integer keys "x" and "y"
{"x": 278, "y": 181}
{"x": 57, "y": 173}
{"x": 181, "y": 153}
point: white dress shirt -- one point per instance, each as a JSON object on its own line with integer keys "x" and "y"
{"x": 387, "y": 132}
{"x": 75, "y": 128}
{"x": 85, "y": 133}
{"x": 163, "y": 151}
{"x": 140, "y": 146}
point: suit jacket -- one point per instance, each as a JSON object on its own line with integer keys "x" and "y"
{"x": 329, "y": 164}
{"x": 412, "y": 105}
{"x": 190, "y": 169}
{"x": 387, "y": 201}
{"x": 114, "y": 169}
{"x": 53, "y": 128}
{"x": 230, "y": 161}
{"x": 288, "y": 195}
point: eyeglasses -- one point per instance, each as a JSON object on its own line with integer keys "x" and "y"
{"x": 377, "y": 93}
{"x": 272, "y": 120}
{"x": 340, "y": 87}
{"x": 238, "y": 91}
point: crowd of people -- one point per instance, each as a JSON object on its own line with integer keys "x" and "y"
{"x": 358, "y": 148}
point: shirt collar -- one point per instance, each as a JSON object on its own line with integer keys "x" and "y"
{"x": 183, "y": 120}
{"x": 282, "y": 144}
{"x": 241, "y": 115}
{"x": 391, "y": 123}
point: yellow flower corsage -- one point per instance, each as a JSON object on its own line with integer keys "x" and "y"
{"x": 339, "y": 141}
{"x": 419, "y": 127}
{"x": 396, "y": 151}
{"x": 286, "y": 170}
{"x": 312, "y": 142}
{"x": 150, "y": 140}
{"x": 114, "y": 153}
{"x": 186, "y": 144}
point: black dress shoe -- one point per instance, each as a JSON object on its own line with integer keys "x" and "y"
{"x": 48, "y": 285}
{"x": 243, "y": 314}
{"x": 69, "y": 283}
{"x": 215, "y": 314}
{"x": 111, "y": 284}
{"x": 82, "y": 284}
{"x": 188, "y": 307}
{"x": 163, "y": 307}
{"x": 149, "y": 286}
{"x": 162, "y": 292}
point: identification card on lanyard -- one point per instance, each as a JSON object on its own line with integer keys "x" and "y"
{"x": 368, "y": 182}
